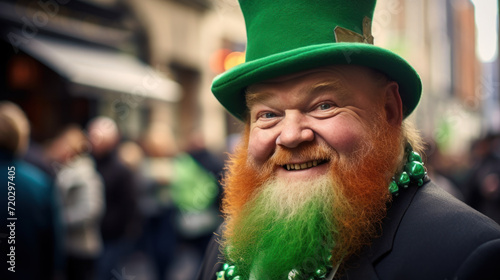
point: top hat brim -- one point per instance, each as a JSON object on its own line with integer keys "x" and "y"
{"x": 229, "y": 87}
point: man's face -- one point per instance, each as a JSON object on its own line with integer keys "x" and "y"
{"x": 317, "y": 156}
{"x": 330, "y": 106}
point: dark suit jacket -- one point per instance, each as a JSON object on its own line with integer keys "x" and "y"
{"x": 427, "y": 234}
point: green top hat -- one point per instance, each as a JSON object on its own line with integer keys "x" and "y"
{"x": 288, "y": 36}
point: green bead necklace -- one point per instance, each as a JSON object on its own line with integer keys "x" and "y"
{"x": 229, "y": 272}
{"x": 412, "y": 172}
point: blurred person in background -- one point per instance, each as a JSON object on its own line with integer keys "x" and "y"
{"x": 482, "y": 187}
{"x": 122, "y": 222}
{"x": 194, "y": 190}
{"x": 198, "y": 150}
{"x": 82, "y": 197}
{"x": 159, "y": 240}
{"x": 35, "y": 241}
{"x": 132, "y": 155}
{"x": 149, "y": 262}
{"x": 180, "y": 202}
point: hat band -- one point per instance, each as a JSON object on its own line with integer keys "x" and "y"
{"x": 346, "y": 35}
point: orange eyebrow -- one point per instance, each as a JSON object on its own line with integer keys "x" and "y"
{"x": 254, "y": 97}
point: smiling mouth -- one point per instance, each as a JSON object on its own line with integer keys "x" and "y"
{"x": 302, "y": 166}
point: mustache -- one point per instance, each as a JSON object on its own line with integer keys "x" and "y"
{"x": 308, "y": 151}
{"x": 305, "y": 152}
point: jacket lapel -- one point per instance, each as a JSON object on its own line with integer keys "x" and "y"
{"x": 396, "y": 211}
{"x": 363, "y": 267}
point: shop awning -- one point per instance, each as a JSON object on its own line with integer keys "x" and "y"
{"x": 101, "y": 68}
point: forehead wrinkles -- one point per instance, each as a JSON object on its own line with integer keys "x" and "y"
{"x": 260, "y": 93}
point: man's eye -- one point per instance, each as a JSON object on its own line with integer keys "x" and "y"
{"x": 269, "y": 115}
{"x": 325, "y": 106}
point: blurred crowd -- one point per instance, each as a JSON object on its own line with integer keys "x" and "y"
{"x": 473, "y": 177}
{"x": 92, "y": 205}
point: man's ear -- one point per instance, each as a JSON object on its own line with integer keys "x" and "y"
{"x": 393, "y": 105}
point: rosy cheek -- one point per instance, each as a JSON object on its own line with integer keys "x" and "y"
{"x": 346, "y": 142}
{"x": 344, "y": 138}
{"x": 261, "y": 145}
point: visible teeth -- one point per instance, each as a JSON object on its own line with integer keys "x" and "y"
{"x": 300, "y": 166}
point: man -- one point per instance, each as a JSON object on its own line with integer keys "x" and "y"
{"x": 327, "y": 182}
{"x": 81, "y": 190}
{"x": 31, "y": 236}
{"x": 122, "y": 221}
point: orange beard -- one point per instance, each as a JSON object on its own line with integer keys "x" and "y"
{"x": 361, "y": 183}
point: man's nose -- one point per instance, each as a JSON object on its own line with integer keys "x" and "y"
{"x": 295, "y": 131}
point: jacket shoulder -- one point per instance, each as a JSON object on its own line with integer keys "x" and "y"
{"x": 434, "y": 211}
{"x": 440, "y": 236}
